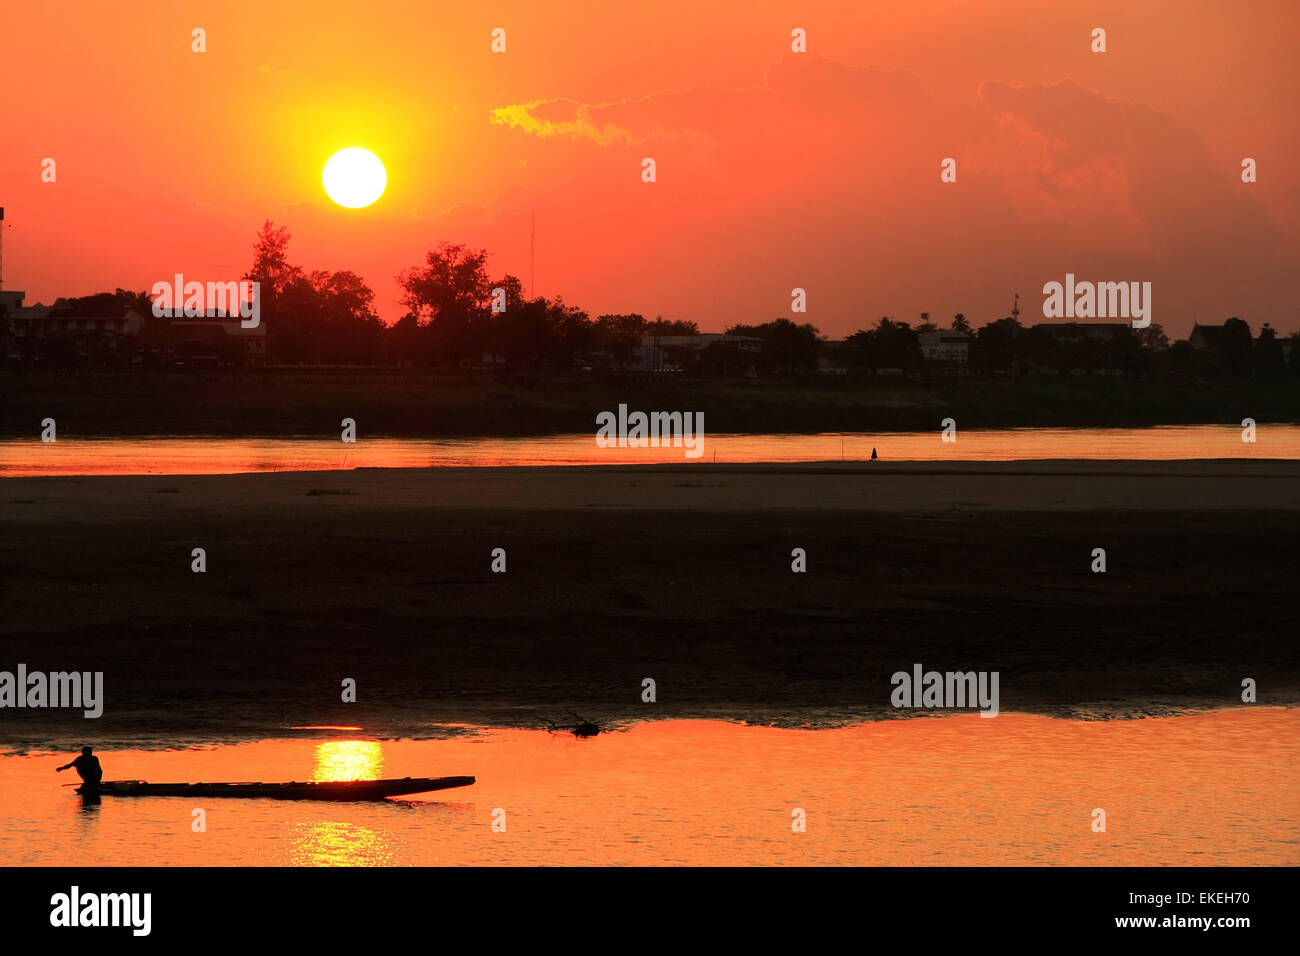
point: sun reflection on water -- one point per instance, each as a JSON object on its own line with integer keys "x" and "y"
{"x": 348, "y": 760}
{"x": 335, "y": 843}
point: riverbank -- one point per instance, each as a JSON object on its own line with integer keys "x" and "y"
{"x": 313, "y": 403}
{"x": 615, "y": 575}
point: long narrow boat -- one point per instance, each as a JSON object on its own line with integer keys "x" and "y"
{"x": 327, "y": 790}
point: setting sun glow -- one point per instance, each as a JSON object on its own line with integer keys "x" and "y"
{"x": 354, "y": 177}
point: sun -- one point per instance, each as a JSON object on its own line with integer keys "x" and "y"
{"x": 354, "y": 177}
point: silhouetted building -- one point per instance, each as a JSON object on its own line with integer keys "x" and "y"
{"x": 672, "y": 353}
{"x": 214, "y": 341}
{"x": 79, "y": 331}
{"x": 1207, "y": 337}
{"x": 1082, "y": 331}
{"x": 944, "y": 347}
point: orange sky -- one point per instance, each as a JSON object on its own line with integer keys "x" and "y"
{"x": 775, "y": 170}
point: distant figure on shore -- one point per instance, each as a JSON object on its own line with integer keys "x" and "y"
{"x": 87, "y": 767}
{"x": 873, "y": 454}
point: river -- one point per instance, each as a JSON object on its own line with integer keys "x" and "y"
{"x": 1207, "y": 789}
{"x": 198, "y": 455}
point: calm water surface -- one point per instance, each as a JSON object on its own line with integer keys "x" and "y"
{"x": 1209, "y": 789}
{"x": 199, "y": 456}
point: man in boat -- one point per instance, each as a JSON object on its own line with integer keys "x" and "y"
{"x": 87, "y": 767}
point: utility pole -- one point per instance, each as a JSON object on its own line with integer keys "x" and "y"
{"x": 532, "y": 257}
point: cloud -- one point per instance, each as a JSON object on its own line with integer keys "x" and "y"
{"x": 829, "y": 174}
{"x": 573, "y": 120}
{"x": 1072, "y": 156}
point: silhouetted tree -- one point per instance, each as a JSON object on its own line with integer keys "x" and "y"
{"x": 1268, "y": 359}
{"x": 889, "y": 345}
{"x": 995, "y": 346}
{"x": 452, "y": 294}
{"x": 403, "y": 340}
{"x": 271, "y": 265}
{"x": 1124, "y": 351}
{"x": 619, "y": 335}
{"x": 1235, "y": 347}
{"x": 543, "y": 334}
{"x": 787, "y": 346}
{"x": 347, "y": 328}
{"x": 662, "y": 326}
{"x": 1182, "y": 358}
{"x": 314, "y": 317}
{"x": 1152, "y": 338}
{"x": 4, "y": 333}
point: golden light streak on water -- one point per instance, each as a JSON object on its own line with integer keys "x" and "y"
{"x": 348, "y": 760}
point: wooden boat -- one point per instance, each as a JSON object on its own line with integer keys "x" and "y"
{"x": 327, "y": 790}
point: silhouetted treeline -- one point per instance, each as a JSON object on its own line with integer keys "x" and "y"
{"x": 459, "y": 316}
{"x": 456, "y": 315}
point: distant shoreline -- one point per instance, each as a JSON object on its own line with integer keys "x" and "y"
{"x": 67, "y": 737}
{"x": 279, "y": 404}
